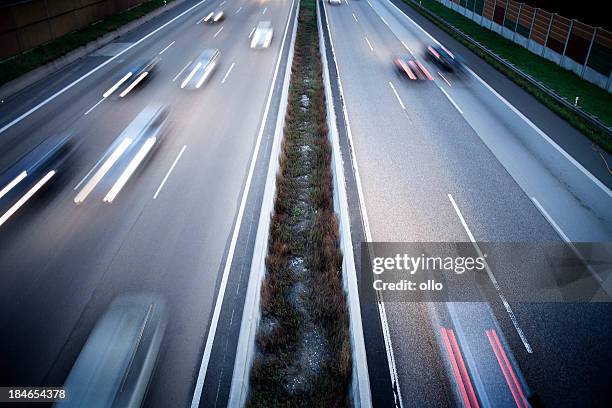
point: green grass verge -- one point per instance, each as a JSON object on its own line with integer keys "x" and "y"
{"x": 20, "y": 64}
{"x": 594, "y": 100}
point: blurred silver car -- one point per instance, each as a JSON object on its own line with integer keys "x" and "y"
{"x": 201, "y": 69}
{"x": 335, "y": 2}
{"x": 262, "y": 37}
{"x": 117, "y": 362}
{"x": 214, "y": 17}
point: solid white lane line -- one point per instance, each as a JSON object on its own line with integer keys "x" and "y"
{"x": 238, "y": 11}
{"x": 407, "y": 47}
{"x": 94, "y": 107}
{"x": 133, "y": 84}
{"x": 264, "y": 10}
{"x": 169, "y": 45}
{"x": 228, "y": 72}
{"x": 370, "y": 45}
{"x": 169, "y": 172}
{"x": 397, "y": 96}
{"x": 355, "y": 18}
{"x": 13, "y": 183}
{"x": 197, "y": 394}
{"x": 191, "y": 74}
{"x": 130, "y": 169}
{"x": 181, "y": 71}
{"x": 217, "y": 33}
{"x": 562, "y": 234}
{"x": 110, "y": 162}
{"x": 368, "y": 234}
{"x": 451, "y": 100}
{"x": 445, "y": 80}
{"x": 108, "y": 61}
{"x": 117, "y": 85}
{"x": 384, "y": 21}
{"x": 26, "y": 197}
{"x": 492, "y": 277}
{"x": 222, "y": 3}
{"x": 252, "y": 31}
{"x": 532, "y": 125}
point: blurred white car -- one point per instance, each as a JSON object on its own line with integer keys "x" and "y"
{"x": 201, "y": 69}
{"x": 262, "y": 37}
{"x": 336, "y": 2}
{"x": 214, "y": 17}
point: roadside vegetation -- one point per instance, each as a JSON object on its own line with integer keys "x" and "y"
{"x": 303, "y": 352}
{"x": 593, "y": 100}
{"x": 18, "y": 65}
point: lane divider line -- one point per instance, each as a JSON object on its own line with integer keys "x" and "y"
{"x": 228, "y": 72}
{"x": 397, "y": 96}
{"x": 238, "y": 11}
{"x": 108, "y": 61}
{"x": 355, "y": 18}
{"x": 264, "y": 11}
{"x": 217, "y": 33}
{"x": 369, "y": 44}
{"x": 444, "y": 78}
{"x": 492, "y": 278}
{"x": 168, "y": 46}
{"x": 507, "y": 371}
{"x": 94, "y": 107}
{"x": 161, "y": 185}
{"x": 251, "y": 33}
{"x": 459, "y": 369}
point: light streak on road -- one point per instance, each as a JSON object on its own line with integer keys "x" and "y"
{"x": 129, "y": 170}
{"x": 133, "y": 84}
{"x": 117, "y": 85}
{"x": 181, "y": 71}
{"x": 110, "y": 162}
{"x": 13, "y": 183}
{"x": 191, "y": 74}
{"x": 26, "y": 197}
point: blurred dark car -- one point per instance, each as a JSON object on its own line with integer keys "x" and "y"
{"x": 443, "y": 58}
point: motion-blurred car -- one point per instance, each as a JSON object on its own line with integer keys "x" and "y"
{"x": 30, "y": 173}
{"x": 201, "y": 69}
{"x": 262, "y": 37}
{"x": 137, "y": 75}
{"x": 443, "y": 58}
{"x": 411, "y": 68}
{"x": 116, "y": 364}
{"x": 214, "y": 17}
{"x": 335, "y": 2}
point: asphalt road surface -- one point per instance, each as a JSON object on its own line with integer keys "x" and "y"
{"x": 449, "y": 160}
{"x": 168, "y": 230}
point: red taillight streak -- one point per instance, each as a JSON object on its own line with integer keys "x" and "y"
{"x": 461, "y": 375}
{"x": 509, "y": 375}
{"x": 425, "y": 71}
{"x": 407, "y": 70}
{"x": 434, "y": 52}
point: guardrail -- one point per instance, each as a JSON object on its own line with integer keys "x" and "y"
{"x": 594, "y": 121}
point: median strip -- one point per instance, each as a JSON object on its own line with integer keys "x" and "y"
{"x": 303, "y": 352}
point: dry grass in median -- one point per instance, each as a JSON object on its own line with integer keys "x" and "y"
{"x": 303, "y": 355}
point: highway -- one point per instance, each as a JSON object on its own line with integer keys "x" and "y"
{"x": 450, "y": 160}
{"x": 169, "y": 228}
{"x": 453, "y": 158}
